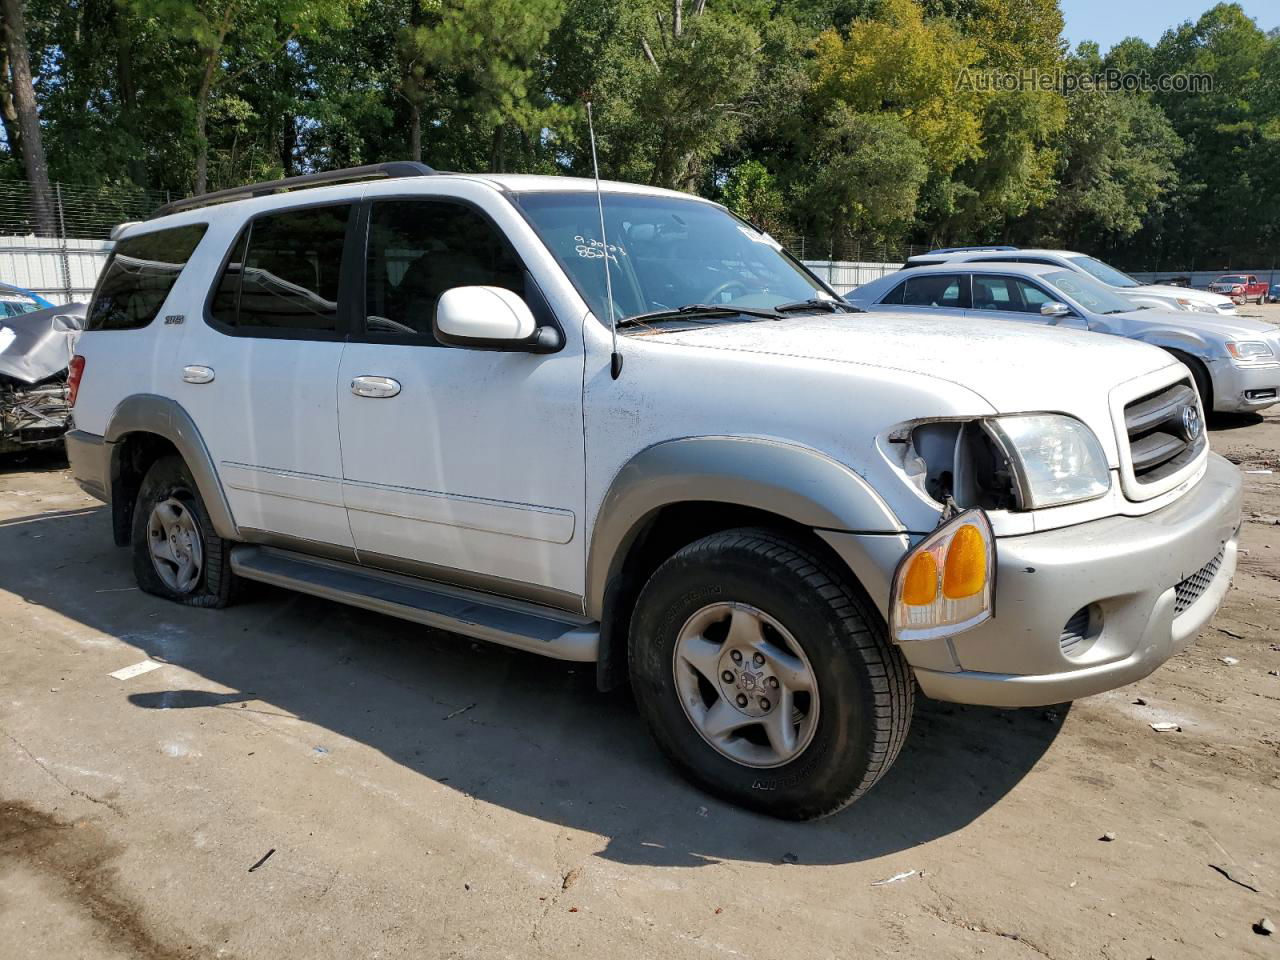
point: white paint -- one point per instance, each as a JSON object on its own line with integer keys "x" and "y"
{"x": 136, "y": 670}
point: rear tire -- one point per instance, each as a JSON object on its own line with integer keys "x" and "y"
{"x": 176, "y": 552}
{"x": 727, "y": 635}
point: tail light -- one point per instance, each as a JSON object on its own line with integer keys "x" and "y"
{"x": 75, "y": 371}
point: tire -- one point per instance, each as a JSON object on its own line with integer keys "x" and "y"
{"x": 168, "y": 481}
{"x": 1204, "y": 386}
{"x": 847, "y": 737}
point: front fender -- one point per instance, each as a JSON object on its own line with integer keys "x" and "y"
{"x": 788, "y": 480}
{"x": 1195, "y": 344}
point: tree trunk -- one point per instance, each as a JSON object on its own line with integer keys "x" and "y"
{"x": 496, "y": 156}
{"x": 24, "y": 101}
{"x": 128, "y": 91}
{"x": 8, "y": 112}
{"x": 415, "y": 132}
{"x": 202, "y": 122}
{"x": 288, "y": 145}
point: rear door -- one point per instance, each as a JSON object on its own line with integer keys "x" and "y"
{"x": 259, "y": 374}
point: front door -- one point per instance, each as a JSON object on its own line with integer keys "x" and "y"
{"x": 459, "y": 464}
{"x": 259, "y": 375}
{"x": 999, "y": 297}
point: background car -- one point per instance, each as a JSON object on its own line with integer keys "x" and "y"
{"x": 1240, "y": 287}
{"x": 1160, "y": 296}
{"x": 15, "y": 301}
{"x": 1235, "y": 360}
{"x": 1274, "y": 295}
{"x": 36, "y": 347}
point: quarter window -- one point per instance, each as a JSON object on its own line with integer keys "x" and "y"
{"x": 138, "y": 277}
{"x": 417, "y": 250}
{"x": 283, "y": 273}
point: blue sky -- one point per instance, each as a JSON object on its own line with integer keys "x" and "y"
{"x": 1110, "y": 21}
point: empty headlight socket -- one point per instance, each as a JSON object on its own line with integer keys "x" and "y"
{"x": 964, "y": 461}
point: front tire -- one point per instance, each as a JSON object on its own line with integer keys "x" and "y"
{"x": 176, "y": 552}
{"x": 766, "y": 678}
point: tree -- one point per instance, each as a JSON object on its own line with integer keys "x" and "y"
{"x": 752, "y": 193}
{"x": 28, "y": 116}
{"x": 254, "y": 30}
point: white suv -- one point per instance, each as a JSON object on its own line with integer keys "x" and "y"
{"x": 775, "y": 514}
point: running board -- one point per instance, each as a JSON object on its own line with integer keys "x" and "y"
{"x": 512, "y": 623}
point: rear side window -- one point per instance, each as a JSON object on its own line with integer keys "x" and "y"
{"x": 283, "y": 273}
{"x": 138, "y": 277}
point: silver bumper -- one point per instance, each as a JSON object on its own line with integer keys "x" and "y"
{"x": 89, "y": 456}
{"x": 1149, "y": 585}
{"x": 1238, "y": 388}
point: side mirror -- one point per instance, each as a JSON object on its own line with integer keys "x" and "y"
{"x": 491, "y": 318}
{"x": 1054, "y": 308}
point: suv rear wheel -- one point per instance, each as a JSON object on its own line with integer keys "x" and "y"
{"x": 176, "y": 553}
{"x": 767, "y": 679}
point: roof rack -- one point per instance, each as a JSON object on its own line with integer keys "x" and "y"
{"x": 967, "y": 249}
{"x": 398, "y": 168}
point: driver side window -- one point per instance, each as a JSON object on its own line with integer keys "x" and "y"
{"x": 417, "y": 250}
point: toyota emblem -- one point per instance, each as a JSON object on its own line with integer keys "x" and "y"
{"x": 1190, "y": 422}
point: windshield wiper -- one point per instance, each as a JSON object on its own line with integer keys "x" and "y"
{"x": 819, "y": 303}
{"x": 701, "y": 310}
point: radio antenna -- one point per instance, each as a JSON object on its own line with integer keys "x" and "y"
{"x": 615, "y": 358}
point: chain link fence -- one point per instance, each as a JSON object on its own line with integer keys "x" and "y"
{"x": 64, "y": 267}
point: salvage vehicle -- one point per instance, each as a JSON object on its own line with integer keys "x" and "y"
{"x": 36, "y": 348}
{"x": 15, "y": 301}
{"x": 1273, "y": 296}
{"x": 1154, "y": 295}
{"x": 1240, "y": 287}
{"x": 616, "y": 424}
{"x": 1235, "y": 360}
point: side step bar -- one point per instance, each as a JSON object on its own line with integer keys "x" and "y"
{"x": 512, "y": 623}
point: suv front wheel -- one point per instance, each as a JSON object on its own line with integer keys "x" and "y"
{"x": 767, "y": 679}
{"x": 176, "y": 552}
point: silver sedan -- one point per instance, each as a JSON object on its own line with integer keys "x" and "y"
{"x": 1235, "y": 359}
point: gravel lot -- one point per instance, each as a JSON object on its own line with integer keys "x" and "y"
{"x": 424, "y": 796}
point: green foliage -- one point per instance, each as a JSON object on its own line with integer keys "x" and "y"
{"x": 844, "y": 120}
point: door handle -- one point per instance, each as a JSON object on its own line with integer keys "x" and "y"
{"x": 375, "y": 387}
{"x": 197, "y": 373}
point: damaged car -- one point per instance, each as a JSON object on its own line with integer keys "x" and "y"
{"x": 35, "y": 351}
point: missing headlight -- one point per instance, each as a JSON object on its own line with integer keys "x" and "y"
{"x": 958, "y": 460}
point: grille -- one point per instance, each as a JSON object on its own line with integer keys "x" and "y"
{"x": 1075, "y": 631}
{"x": 1192, "y": 589}
{"x": 1158, "y": 442}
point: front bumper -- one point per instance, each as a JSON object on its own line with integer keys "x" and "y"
{"x": 1238, "y": 388}
{"x": 1148, "y": 584}
{"x": 89, "y": 456}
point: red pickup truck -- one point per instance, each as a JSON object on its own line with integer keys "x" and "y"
{"x": 1240, "y": 287}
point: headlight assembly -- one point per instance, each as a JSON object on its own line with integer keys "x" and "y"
{"x": 1250, "y": 350}
{"x": 1056, "y": 458}
{"x": 1020, "y": 462}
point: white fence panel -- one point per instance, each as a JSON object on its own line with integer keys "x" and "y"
{"x": 846, "y": 275}
{"x": 62, "y": 271}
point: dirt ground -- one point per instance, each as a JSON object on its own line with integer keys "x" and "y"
{"x": 417, "y": 795}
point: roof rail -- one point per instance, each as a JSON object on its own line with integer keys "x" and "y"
{"x": 966, "y": 249}
{"x": 398, "y": 168}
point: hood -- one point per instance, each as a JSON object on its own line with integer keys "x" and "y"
{"x": 1184, "y": 293}
{"x": 1230, "y": 326}
{"x": 1015, "y": 367}
{"x": 37, "y": 345}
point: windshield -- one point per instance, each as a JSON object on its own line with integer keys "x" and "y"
{"x": 1104, "y": 272}
{"x": 1087, "y": 292}
{"x": 664, "y": 253}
